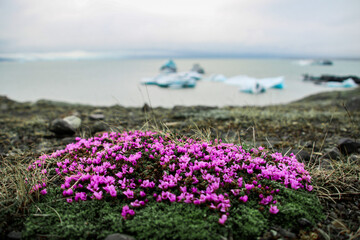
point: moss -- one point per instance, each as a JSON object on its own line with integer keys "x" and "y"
{"x": 175, "y": 221}
{"x": 82, "y": 220}
{"x": 54, "y": 218}
{"x": 247, "y": 222}
{"x": 295, "y": 205}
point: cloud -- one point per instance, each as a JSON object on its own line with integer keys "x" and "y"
{"x": 266, "y": 26}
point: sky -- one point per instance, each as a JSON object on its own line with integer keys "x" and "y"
{"x": 180, "y": 28}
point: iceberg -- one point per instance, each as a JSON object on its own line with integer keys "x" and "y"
{"x": 168, "y": 77}
{"x": 254, "y": 85}
{"x": 168, "y": 67}
{"x": 348, "y": 83}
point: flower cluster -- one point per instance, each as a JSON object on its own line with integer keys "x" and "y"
{"x": 141, "y": 166}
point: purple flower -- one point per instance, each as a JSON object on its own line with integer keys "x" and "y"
{"x": 243, "y": 198}
{"x": 273, "y": 209}
{"x": 128, "y": 193}
{"x": 111, "y": 190}
{"x": 223, "y": 219}
{"x": 249, "y": 186}
{"x": 98, "y": 195}
{"x": 43, "y": 192}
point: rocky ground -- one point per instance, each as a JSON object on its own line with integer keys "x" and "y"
{"x": 323, "y": 130}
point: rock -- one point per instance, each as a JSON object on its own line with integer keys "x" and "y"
{"x": 14, "y": 235}
{"x": 146, "y": 108}
{"x": 332, "y": 153}
{"x": 74, "y": 121}
{"x": 97, "y": 117}
{"x": 118, "y": 236}
{"x": 300, "y": 154}
{"x": 97, "y": 114}
{"x": 303, "y": 222}
{"x": 99, "y": 127}
{"x": 348, "y": 146}
{"x": 287, "y": 234}
{"x": 61, "y": 127}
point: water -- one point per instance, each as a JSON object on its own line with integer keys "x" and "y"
{"x": 109, "y": 82}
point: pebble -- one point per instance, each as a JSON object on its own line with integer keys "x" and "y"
{"x": 348, "y": 146}
{"x": 74, "y": 121}
{"x": 66, "y": 126}
{"x": 97, "y": 116}
{"x": 61, "y": 127}
{"x": 146, "y": 108}
{"x": 118, "y": 236}
{"x": 303, "y": 222}
{"x": 99, "y": 127}
{"x": 14, "y": 235}
{"x": 332, "y": 153}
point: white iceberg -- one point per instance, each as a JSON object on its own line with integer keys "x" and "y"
{"x": 348, "y": 83}
{"x": 255, "y": 85}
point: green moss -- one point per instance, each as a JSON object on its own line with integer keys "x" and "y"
{"x": 56, "y": 219}
{"x": 295, "y": 205}
{"x": 247, "y": 222}
{"x": 175, "y": 221}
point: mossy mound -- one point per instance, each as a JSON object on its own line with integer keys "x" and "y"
{"x": 179, "y": 188}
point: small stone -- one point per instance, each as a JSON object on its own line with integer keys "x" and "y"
{"x": 302, "y": 155}
{"x": 118, "y": 236}
{"x": 74, "y": 121}
{"x": 14, "y": 235}
{"x": 303, "y": 222}
{"x": 61, "y": 127}
{"x": 348, "y": 146}
{"x": 332, "y": 153}
{"x": 97, "y": 116}
{"x": 146, "y": 108}
{"x": 287, "y": 234}
{"x": 99, "y": 127}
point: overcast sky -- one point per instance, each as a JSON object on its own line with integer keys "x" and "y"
{"x": 317, "y": 28}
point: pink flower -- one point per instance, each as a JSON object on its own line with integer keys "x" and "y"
{"x": 98, "y": 195}
{"x": 128, "y": 193}
{"x": 136, "y": 203}
{"x": 81, "y": 195}
{"x": 111, "y": 190}
{"x": 223, "y": 219}
{"x": 273, "y": 209}
{"x": 69, "y": 200}
{"x": 43, "y": 192}
{"x": 142, "y": 194}
{"x": 243, "y": 198}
